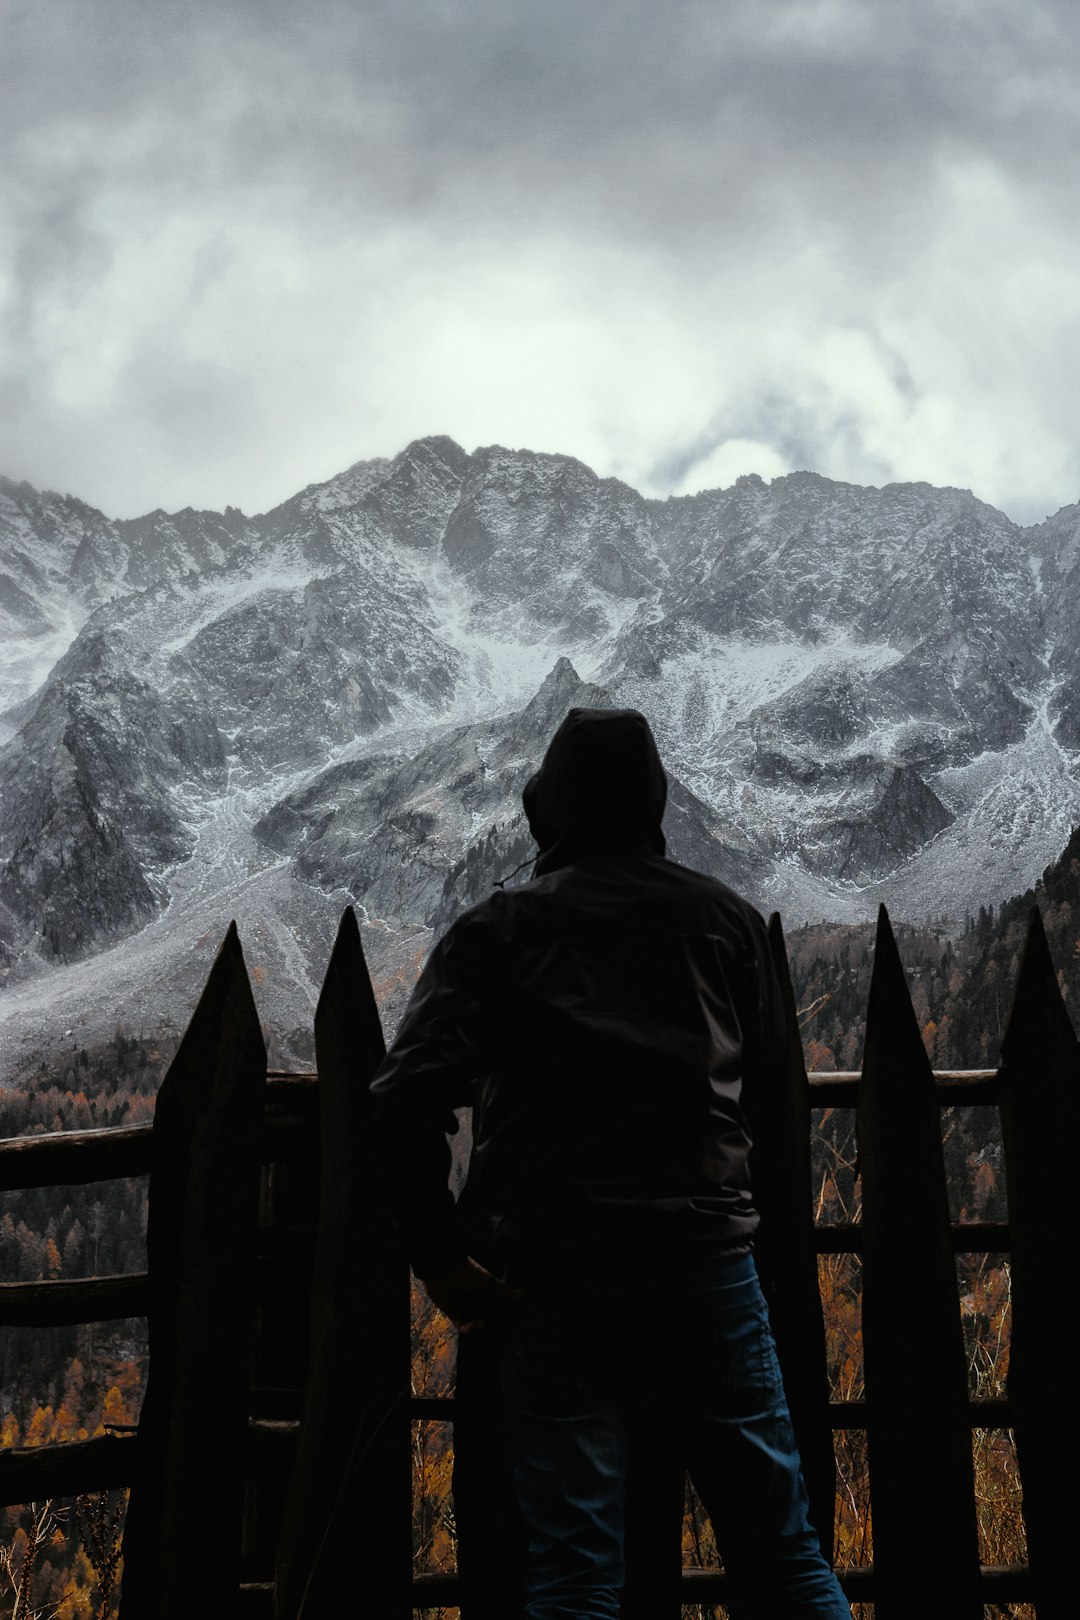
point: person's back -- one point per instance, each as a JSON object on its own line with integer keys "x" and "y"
{"x": 624, "y": 1007}
{"x": 607, "y": 1022}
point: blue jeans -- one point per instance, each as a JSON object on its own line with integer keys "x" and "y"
{"x": 691, "y": 1338}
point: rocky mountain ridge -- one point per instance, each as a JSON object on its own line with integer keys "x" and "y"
{"x": 860, "y": 693}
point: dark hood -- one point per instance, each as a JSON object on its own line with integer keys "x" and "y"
{"x": 600, "y": 789}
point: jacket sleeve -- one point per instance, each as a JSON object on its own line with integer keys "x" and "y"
{"x": 428, "y": 1072}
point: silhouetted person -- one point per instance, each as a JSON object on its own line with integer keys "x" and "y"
{"x": 604, "y": 1020}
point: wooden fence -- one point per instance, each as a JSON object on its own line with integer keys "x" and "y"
{"x": 271, "y": 1471}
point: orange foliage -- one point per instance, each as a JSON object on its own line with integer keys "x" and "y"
{"x": 818, "y": 1056}
{"x": 434, "y": 1351}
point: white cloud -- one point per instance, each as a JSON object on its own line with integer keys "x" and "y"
{"x": 730, "y": 460}
{"x": 242, "y": 259}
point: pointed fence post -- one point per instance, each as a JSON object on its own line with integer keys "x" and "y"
{"x": 182, "y": 1538}
{"x": 347, "y": 1536}
{"x": 925, "y": 1534}
{"x": 288, "y": 1204}
{"x": 1040, "y": 1124}
{"x": 780, "y": 1168}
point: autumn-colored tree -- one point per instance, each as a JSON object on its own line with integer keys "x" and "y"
{"x": 39, "y": 1429}
{"x": 433, "y": 1358}
{"x": 78, "y": 1600}
{"x": 100, "y": 1518}
{"x": 818, "y": 1055}
{"x": 114, "y": 1411}
{"x": 20, "y": 1558}
{"x": 929, "y": 1037}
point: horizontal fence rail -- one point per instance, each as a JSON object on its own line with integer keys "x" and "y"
{"x": 834, "y": 1088}
{"x": 269, "y": 1264}
{"x": 71, "y": 1158}
{"x": 998, "y": 1583}
{"x": 68, "y": 1158}
{"x": 64, "y": 1302}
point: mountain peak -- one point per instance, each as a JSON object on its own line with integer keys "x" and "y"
{"x": 439, "y": 445}
{"x": 859, "y": 684}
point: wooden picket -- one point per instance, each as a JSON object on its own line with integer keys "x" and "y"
{"x": 265, "y": 1328}
{"x": 352, "y": 1480}
{"x": 913, "y": 1348}
{"x": 201, "y": 1244}
{"x": 1040, "y": 1123}
{"x": 289, "y": 1180}
{"x": 788, "y": 1257}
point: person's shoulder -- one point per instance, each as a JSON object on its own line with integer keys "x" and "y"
{"x": 471, "y": 945}
{"x": 714, "y": 890}
{"x": 475, "y": 919}
{"x": 493, "y": 913}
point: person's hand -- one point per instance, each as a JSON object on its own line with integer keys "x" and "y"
{"x": 469, "y": 1295}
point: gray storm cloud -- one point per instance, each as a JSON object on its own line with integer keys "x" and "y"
{"x": 246, "y": 244}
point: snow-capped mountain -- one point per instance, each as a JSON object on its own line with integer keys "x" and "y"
{"x": 860, "y": 693}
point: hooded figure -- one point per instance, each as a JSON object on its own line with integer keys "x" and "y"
{"x": 601, "y": 789}
{"x": 597, "y": 1019}
{"x": 611, "y": 1022}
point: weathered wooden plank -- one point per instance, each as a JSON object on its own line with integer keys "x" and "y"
{"x": 71, "y": 1467}
{"x": 276, "y": 1405}
{"x": 102, "y": 1464}
{"x": 67, "y": 1158}
{"x": 915, "y": 1367}
{"x": 60, "y": 1158}
{"x": 1002, "y": 1583}
{"x": 269, "y": 1435}
{"x": 351, "y": 1490}
{"x": 787, "y": 1250}
{"x": 255, "y": 1600}
{"x": 969, "y": 1088}
{"x": 996, "y": 1584}
{"x": 271, "y": 1456}
{"x": 288, "y": 1206}
{"x": 961, "y": 1079}
{"x": 981, "y": 1237}
{"x": 838, "y": 1239}
{"x": 70, "y": 1158}
{"x": 437, "y": 1592}
{"x": 985, "y": 1412}
{"x": 432, "y": 1408}
{"x": 68, "y": 1300}
{"x": 201, "y": 1241}
{"x": 1040, "y": 1125}
{"x": 967, "y": 1237}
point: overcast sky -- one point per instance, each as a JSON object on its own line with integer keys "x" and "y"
{"x": 245, "y": 243}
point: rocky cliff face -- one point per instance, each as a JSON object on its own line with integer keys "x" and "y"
{"x": 91, "y": 814}
{"x": 1056, "y": 553}
{"x": 401, "y": 834}
{"x": 860, "y": 693}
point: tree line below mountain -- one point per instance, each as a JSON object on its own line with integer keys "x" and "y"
{"x": 961, "y": 978}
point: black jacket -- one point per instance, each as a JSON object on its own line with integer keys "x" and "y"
{"x": 604, "y": 1021}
